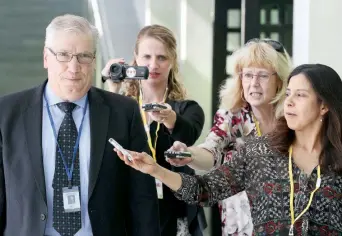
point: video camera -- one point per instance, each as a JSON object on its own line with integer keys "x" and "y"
{"x": 119, "y": 72}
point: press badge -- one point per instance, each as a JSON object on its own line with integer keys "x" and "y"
{"x": 71, "y": 199}
{"x": 159, "y": 186}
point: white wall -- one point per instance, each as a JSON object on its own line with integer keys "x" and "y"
{"x": 119, "y": 23}
{"x": 191, "y": 21}
{"x": 317, "y": 32}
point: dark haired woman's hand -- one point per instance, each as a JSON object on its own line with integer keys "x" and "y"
{"x": 145, "y": 164}
{"x": 141, "y": 162}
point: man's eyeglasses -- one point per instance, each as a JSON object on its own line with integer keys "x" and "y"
{"x": 261, "y": 77}
{"x": 82, "y": 58}
{"x": 275, "y": 44}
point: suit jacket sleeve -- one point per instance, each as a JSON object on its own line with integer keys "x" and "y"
{"x": 144, "y": 214}
{"x": 2, "y": 193}
{"x": 189, "y": 123}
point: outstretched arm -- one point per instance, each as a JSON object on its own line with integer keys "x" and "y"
{"x": 205, "y": 190}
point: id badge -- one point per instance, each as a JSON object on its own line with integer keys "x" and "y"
{"x": 71, "y": 199}
{"x": 159, "y": 186}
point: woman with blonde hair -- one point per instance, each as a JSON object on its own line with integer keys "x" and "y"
{"x": 250, "y": 103}
{"x": 182, "y": 120}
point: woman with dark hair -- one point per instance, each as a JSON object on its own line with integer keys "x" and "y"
{"x": 293, "y": 176}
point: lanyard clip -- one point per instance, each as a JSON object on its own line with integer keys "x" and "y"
{"x": 147, "y": 128}
{"x": 69, "y": 184}
{"x": 318, "y": 182}
{"x": 291, "y": 231}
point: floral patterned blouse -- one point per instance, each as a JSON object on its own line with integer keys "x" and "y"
{"x": 263, "y": 174}
{"x": 225, "y": 138}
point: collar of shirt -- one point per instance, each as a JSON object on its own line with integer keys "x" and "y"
{"x": 53, "y": 99}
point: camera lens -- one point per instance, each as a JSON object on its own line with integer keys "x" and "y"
{"x": 115, "y": 69}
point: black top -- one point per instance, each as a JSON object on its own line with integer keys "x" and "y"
{"x": 188, "y": 128}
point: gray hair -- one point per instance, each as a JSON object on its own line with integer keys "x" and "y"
{"x": 71, "y": 24}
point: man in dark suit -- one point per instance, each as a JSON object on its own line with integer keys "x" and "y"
{"x": 54, "y": 144}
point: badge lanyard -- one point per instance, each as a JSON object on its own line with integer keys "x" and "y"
{"x": 147, "y": 129}
{"x": 257, "y": 126}
{"x": 67, "y": 169}
{"x": 159, "y": 184}
{"x": 318, "y": 184}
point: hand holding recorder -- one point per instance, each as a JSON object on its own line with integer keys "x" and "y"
{"x": 161, "y": 113}
{"x": 150, "y": 107}
{"x": 178, "y": 154}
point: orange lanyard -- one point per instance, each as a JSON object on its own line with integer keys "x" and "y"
{"x": 318, "y": 184}
{"x": 147, "y": 127}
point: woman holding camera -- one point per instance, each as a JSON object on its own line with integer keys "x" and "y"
{"x": 182, "y": 120}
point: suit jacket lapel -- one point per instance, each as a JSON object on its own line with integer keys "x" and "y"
{"x": 32, "y": 117}
{"x": 99, "y": 119}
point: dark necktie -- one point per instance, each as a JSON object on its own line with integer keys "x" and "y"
{"x": 67, "y": 224}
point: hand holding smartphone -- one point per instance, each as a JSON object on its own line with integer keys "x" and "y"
{"x": 121, "y": 149}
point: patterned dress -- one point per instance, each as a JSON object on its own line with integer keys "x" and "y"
{"x": 263, "y": 174}
{"x": 226, "y": 137}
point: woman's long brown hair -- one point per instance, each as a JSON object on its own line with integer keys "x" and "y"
{"x": 328, "y": 87}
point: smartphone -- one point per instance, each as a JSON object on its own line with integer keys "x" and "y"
{"x": 153, "y": 107}
{"x": 174, "y": 154}
{"x": 121, "y": 149}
